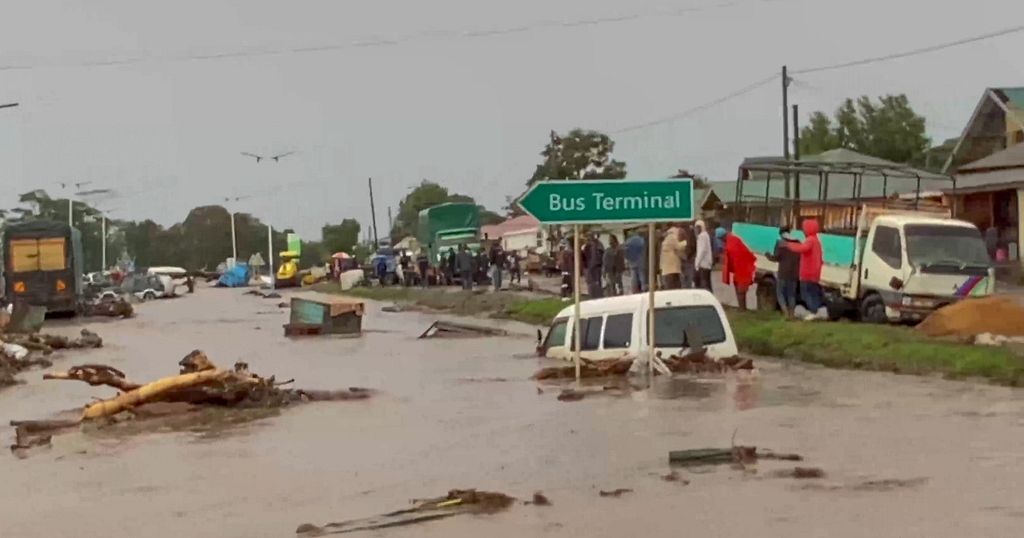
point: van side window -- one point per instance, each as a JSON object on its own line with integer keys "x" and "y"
{"x": 671, "y": 325}
{"x": 618, "y": 331}
{"x": 590, "y": 335}
{"x": 556, "y": 334}
{"x": 887, "y": 246}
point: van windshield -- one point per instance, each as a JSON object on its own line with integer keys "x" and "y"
{"x": 935, "y": 245}
{"x": 672, "y": 324}
{"x": 556, "y": 334}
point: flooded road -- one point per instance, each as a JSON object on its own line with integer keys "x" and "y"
{"x": 462, "y": 413}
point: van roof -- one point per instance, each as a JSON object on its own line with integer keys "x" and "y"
{"x": 638, "y": 301}
{"x": 902, "y": 220}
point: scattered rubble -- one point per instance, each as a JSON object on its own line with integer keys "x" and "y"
{"x": 18, "y": 352}
{"x": 968, "y": 318}
{"x": 694, "y": 362}
{"x": 448, "y": 329}
{"x": 199, "y": 383}
{"x": 112, "y": 308}
{"x": 539, "y": 499}
{"x": 456, "y": 502}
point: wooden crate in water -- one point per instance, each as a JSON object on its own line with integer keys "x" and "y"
{"x": 332, "y": 314}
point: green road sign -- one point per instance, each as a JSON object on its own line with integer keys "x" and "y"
{"x": 582, "y": 202}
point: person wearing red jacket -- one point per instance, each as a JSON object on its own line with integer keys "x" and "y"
{"x": 810, "y": 266}
{"x": 738, "y": 265}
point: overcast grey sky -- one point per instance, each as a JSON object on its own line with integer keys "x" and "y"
{"x": 469, "y": 111}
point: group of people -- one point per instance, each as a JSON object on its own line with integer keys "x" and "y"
{"x": 463, "y": 267}
{"x": 799, "y": 269}
{"x": 685, "y": 256}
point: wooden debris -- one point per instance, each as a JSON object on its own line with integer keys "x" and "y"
{"x": 96, "y": 375}
{"x": 199, "y": 382}
{"x": 468, "y": 501}
{"x": 619, "y": 492}
{"x": 448, "y": 329}
{"x": 724, "y": 456}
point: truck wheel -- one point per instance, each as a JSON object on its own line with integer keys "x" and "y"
{"x": 872, "y": 309}
{"x": 766, "y": 299}
{"x": 149, "y": 296}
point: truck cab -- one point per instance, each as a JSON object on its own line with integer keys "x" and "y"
{"x": 912, "y": 265}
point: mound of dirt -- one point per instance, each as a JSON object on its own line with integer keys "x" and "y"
{"x": 971, "y": 317}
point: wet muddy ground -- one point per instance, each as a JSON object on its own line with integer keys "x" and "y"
{"x": 904, "y": 456}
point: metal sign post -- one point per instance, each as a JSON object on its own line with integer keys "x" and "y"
{"x": 576, "y": 300}
{"x": 652, "y": 276}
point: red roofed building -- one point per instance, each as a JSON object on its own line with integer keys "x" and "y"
{"x": 517, "y": 233}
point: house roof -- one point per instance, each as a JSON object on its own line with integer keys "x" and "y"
{"x": 513, "y": 225}
{"x": 985, "y": 132}
{"x": 1011, "y": 157}
{"x": 992, "y": 180}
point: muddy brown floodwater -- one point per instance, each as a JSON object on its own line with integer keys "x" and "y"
{"x": 904, "y": 456}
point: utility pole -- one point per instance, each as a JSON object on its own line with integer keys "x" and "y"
{"x": 785, "y": 124}
{"x": 391, "y": 221}
{"x": 373, "y": 215}
{"x": 796, "y": 157}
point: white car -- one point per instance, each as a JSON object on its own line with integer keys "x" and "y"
{"x": 616, "y": 327}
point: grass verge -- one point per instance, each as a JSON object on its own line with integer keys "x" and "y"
{"x": 838, "y": 345}
{"x": 874, "y": 347}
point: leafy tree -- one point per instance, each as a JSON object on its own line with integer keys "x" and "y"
{"x": 818, "y": 136}
{"x": 429, "y": 194}
{"x": 889, "y": 130}
{"x": 341, "y": 237}
{"x": 578, "y": 155}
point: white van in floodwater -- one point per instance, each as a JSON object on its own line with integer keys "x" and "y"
{"x": 616, "y": 327}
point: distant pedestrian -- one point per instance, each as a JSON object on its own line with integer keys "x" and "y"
{"x": 738, "y": 266}
{"x": 614, "y": 265}
{"x": 636, "y": 260}
{"x": 689, "y": 243}
{"x": 787, "y": 278}
{"x": 718, "y": 243}
{"x": 496, "y": 258}
{"x": 810, "y": 269}
{"x": 449, "y": 267}
{"x": 704, "y": 258}
{"x": 593, "y": 261}
{"x": 464, "y": 267}
{"x": 423, "y": 264}
{"x": 992, "y": 241}
{"x": 405, "y": 266}
{"x": 515, "y": 268}
{"x": 382, "y": 271}
{"x": 672, "y": 259}
{"x": 566, "y": 265}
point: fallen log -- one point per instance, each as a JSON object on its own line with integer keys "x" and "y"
{"x": 694, "y": 362}
{"x": 152, "y": 392}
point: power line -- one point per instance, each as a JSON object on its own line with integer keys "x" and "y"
{"x": 913, "y": 52}
{"x": 436, "y": 35}
{"x": 693, "y": 110}
{"x": 864, "y": 61}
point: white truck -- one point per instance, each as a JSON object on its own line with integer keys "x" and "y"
{"x": 895, "y": 265}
